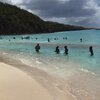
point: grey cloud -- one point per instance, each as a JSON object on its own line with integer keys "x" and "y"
{"x": 69, "y": 11}
{"x": 76, "y": 12}
{"x": 98, "y": 2}
{"x": 55, "y": 8}
{"x": 6, "y": 1}
{"x": 88, "y": 22}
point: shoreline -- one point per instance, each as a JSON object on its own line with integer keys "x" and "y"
{"x": 57, "y": 87}
{"x": 17, "y": 85}
{"x": 32, "y": 81}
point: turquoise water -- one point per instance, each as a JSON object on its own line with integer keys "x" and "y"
{"x": 73, "y": 37}
{"x": 77, "y": 52}
{"x": 78, "y": 64}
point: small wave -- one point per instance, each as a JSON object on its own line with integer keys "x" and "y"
{"x": 87, "y": 71}
{"x": 26, "y": 62}
{"x": 37, "y": 61}
{"x": 4, "y": 53}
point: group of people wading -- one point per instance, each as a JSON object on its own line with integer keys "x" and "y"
{"x": 57, "y": 50}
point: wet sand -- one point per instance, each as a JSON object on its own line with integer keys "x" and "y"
{"x": 19, "y": 83}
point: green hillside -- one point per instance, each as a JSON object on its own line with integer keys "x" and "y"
{"x": 14, "y": 20}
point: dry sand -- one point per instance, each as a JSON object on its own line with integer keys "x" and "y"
{"x": 17, "y": 85}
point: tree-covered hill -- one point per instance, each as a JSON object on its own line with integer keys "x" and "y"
{"x": 14, "y": 20}
{"x": 54, "y": 27}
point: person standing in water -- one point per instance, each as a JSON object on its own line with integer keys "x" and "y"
{"x": 66, "y": 50}
{"x": 37, "y": 48}
{"x": 48, "y": 40}
{"x": 57, "y": 50}
{"x": 81, "y": 40}
{"x": 91, "y": 50}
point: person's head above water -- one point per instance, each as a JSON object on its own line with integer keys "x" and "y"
{"x": 65, "y": 47}
{"x": 57, "y": 47}
{"x": 90, "y": 47}
{"x": 91, "y": 50}
{"x": 57, "y": 50}
{"x": 38, "y": 44}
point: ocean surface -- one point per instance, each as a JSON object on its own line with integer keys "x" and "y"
{"x": 77, "y": 72}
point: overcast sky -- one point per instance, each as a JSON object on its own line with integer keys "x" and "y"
{"x": 76, "y": 12}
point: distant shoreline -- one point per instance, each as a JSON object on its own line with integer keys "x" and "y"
{"x": 41, "y": 33}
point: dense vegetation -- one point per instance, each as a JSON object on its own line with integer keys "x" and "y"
{"x": 14, "y": 20}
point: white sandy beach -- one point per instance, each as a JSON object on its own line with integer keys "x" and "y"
{"x": 16, "y": 85}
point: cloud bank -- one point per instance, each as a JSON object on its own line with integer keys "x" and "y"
{"x": 77, "y": 12}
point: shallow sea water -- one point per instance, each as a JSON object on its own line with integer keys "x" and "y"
{"x": 79, "y": 72}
